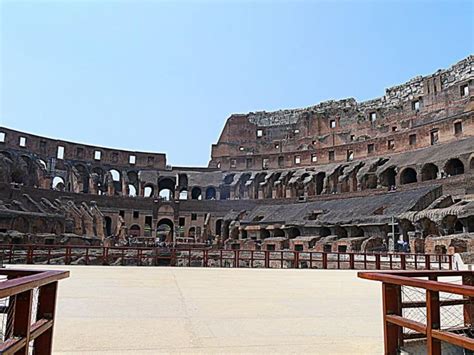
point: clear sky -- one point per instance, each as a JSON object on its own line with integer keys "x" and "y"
{"x": 164, "y": 76}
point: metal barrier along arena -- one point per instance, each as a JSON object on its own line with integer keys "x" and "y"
{"x": 427, "y": 312}
{"x": 193, "y": 257}
{"x": 27, "y": 310}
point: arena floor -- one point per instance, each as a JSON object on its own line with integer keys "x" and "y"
{"x": 142, "y": 310}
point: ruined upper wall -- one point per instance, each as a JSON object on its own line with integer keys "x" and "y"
{"x": 402, "y": 120}
{"x": 394, "y": 96}
{"x": 48, "y": 148}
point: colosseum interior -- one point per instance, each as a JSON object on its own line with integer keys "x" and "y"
{"x": 396, "y": 171}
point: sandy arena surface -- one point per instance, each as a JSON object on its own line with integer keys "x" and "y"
{"x": 145, "y": 310}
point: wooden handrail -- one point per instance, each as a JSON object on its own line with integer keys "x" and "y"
{"x": 19, "y": 285}
{"x": 425, "y": 284}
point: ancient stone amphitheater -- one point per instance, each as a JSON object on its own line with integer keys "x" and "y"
{"x": 338, "y": 176}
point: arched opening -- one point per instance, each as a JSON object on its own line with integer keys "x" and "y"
{"x": 454, "y": 167}
{"x": 324, "y": 231}
{"x": 192, "y": 232}
{"x": 83, "y": 178}
{"x": 320, "y": 183}
{"x": 196, "y": 193}
{"x": 264, "y": 234}
{"x": 429, "y": 172}
{"x": 210, "y": 193}
{"x": 368, "y": 181}
{"x": 135, "y": 230}
{"x": 148, "y": 191}
{"x": 108, "y": 226}
{"x": 98, "y": 177}
{"x": 58, "y": 183}
{"x": 293, "y": 232}
{"x": 164, "y": 229}
{"x": 219, "y": 227}
{"x": 21, "y": 224}
{"x": 471, "y": 164}
{"x": 408, "y": 176}
{"x": 115, "y": 175}
{"x": 183, "y": 194}
{"x": 387, "y": 178}
{"x": 278, "y": 233}
{"x": 132, "y": 191}
{"x": 166, "y": 188}
{"x": 429, "y": 228}
{"x": 182, "y": 181}
{"x": 340, "y": 232}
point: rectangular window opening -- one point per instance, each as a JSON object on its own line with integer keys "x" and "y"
{"x": 22, "y": 141}
{"x": 97, "y": 155}
{"x": 60, "y": 153}
{"x": 132, "y": 159}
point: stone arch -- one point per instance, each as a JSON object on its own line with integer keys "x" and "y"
{"x": 165, "y": 229}
{"x": 452, "y": 225}
{"x": 277, "y": 232}
{"x": 408, "y": 176}
{"x": 454, "y": 167}
{"x": 320, "y": 177}
{"x": 368, "y": 181}
{"x": 429, "y": 172}
{"x": 196, "y": 193}
{"x": 471, "y": 164}
{"x": 21, "y": 224}
{"x": 98, "y": 175}
{"x": 58, "y": 183}
{"x": 166, "y": 188}
{"x": 115, "y": 174}
{"x": 264, "y": 234}
{"x": 293, "y": 232}
{"x": 428, "y": 227}
{"x": 388, "y": 177}
{"x": 149, "y": 190}
{"x": 324, "y": 231}
{"x": 183, "y": 194}
{"x": 340, "y": 232}
{"x": 211, "y": 193}
{"x": 83, "y": 178}
{"x": 135, "y": 230}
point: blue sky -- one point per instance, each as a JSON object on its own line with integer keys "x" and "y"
{"x": 164, "y": 76}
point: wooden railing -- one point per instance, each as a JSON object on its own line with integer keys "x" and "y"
{"x": 444, "y": 311}
{"x": 148, "y": 256}
{"x": 28, "y": 302}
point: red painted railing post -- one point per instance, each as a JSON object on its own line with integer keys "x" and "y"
{"x": 29, "y": 255}
{"x": 392, "y": 305}
{"x": 296, "y": 259}
{"x": 432, "y": 322}
{"x": 427, "y": 262}
{"x": 46, "y": 309}
{"x": 351, "y": 261}
{"x": 325, "y": 260}
{"x": 450, "y": 261}
{"x": 378, "y": 266}
{"x": 267, "y": 259}
{"x": 403, "y": 264}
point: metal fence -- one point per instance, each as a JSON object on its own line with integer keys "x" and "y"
{"x": 194, "y": 257}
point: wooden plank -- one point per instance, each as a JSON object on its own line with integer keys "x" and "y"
{"x": 452, "y": 338}
{"x": 406, "y": 323}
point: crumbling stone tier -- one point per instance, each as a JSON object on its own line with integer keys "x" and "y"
{"x": 393, "y": 173}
